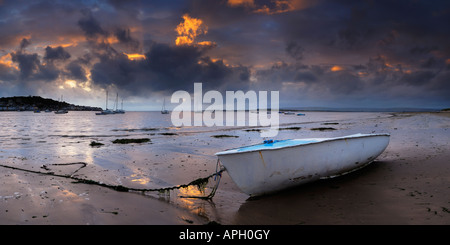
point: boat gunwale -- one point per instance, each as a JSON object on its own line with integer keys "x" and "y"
{"x": 225, "y": 152}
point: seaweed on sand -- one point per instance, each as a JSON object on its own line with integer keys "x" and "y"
{"x": 290, "y": 128}
{"x": 322, "y": 129}
{"x": 200, "y": 183}
{"x": 96, "y": 144}
{"x": 224, "y": 136}
{"x": 168, "y": 134}
{"x": 129, "y": 141}
{"x": 253, "y": 130}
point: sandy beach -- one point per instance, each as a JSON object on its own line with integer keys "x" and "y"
{"x": 407, "y": 184}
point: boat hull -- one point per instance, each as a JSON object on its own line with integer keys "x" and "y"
{"x": 266, "y": 170}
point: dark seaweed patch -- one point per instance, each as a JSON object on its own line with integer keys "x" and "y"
{"x": 224, "y": 136}
{"x": 323, "y": 129}
{"x": 290, "y": 128}
{"x": 135, "y": 129}
{"x": 253, "y": 130}
{"x": 200, "y": 183}
{"x": 96, "y": 144}
{"x": 168, "y": 134}
{"x": 129, "y": 141}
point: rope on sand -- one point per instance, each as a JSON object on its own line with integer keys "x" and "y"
{"x": 200, "y": 183}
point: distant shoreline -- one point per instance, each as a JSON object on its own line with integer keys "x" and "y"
{"x": 37, "y": 103}
{"x": 337, "y": 110}
{"x": 31, "y": 103}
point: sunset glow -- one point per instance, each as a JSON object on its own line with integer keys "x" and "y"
{"x": 272, "y": 7}
{"x": 6, "y": 61}
{"x": 135, "y": 56}
{"x": 337, "y": 68}
{"x": 71, "y": 83}
{"x": 317, "y": 52}
{"x": 189, "y": 29}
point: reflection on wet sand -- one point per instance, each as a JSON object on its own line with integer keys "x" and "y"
{"x": 382, "y": 190}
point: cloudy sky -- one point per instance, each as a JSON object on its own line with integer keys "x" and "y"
{"x": 338, "y": 53}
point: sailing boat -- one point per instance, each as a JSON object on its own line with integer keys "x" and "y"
{"x": 117, "y": 110}
{"x": 106, "y": 111}
{"x": 61, "y": 111}
{"x": 163, "y": 110}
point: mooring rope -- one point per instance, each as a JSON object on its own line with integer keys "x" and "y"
{"x": 199, "y": 183}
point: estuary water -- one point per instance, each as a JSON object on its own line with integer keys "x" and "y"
{"x": 43, "y": 138}
{"x": 173, "y": 156}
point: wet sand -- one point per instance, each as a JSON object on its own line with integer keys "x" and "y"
{"x": 408, "y": 184}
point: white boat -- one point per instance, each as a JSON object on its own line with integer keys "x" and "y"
{"x": 276, "y": 165}
{"x": 163, "y": 110}
{"x": 61, "y": 112}
{"x": 106, "y": 111}
{"x": 117, "y": 110}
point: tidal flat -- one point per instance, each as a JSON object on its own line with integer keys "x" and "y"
{"x": 406, "y": 184}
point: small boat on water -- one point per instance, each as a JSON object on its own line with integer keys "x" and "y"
{"x": 117, "y": 110}
{"x": 109, "y": 111}
{"x": 106, "y": 111}
{"x": 61, "y": 111}
{"x": 163, "y": 110}
{"x": 276, "y": 165}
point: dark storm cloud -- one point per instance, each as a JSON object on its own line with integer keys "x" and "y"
{"x": 30, "y": 66}
{"x": 90, "y": 26}
{"x": 323, "y": 50}
{"x": 7, "y": 74}
{"x": 354, "y": 26}
{"x": 418, "y": 78}
{"x": 124, "y": 37}
{"x": 76, "y": 71}
{"x": 24, "y": 43}
{"x": 57, "y": 53}
{"x": 167, "y": 68}
{"x": 295, "y": 50}
{"x": 312, "y": 77}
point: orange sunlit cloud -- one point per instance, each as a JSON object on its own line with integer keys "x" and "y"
{"x": 337, "y": 68}
{"x": 71, "y": 83}
{"x": 64, "y": 45}
{"x": 108, "y": 40}
{"x": 277, "y": 6}
{"x": 237, "y": 3}
{"x": 6, "y": 60}
{"x": 189, "y": 30}
{"x": 135, "y": 56}
{"x": 18, "y": 39}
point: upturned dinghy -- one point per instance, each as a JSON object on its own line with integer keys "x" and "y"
{"x": 276, "y": 165}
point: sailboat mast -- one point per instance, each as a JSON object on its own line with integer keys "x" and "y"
{"x": 117, "y": 102}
